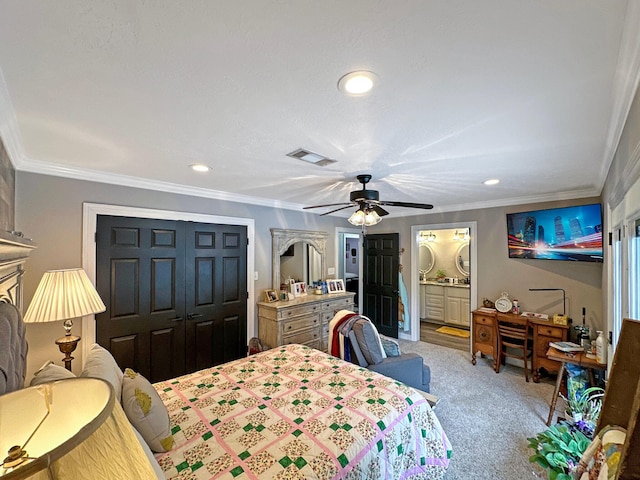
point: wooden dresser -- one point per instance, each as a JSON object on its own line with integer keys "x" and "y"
{"x": 304, "y": 320}
{"x": 484, "y": 338}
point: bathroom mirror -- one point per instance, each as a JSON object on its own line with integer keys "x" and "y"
{"x": 462, "y": 259}
{"x": 304, "y": 248}
{"x": 427, "y": 259}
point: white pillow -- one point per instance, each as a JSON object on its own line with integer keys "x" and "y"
{"x": 146, "y": 412}
{"x": 50, "y": 372}
{"x": 101, "y": 364}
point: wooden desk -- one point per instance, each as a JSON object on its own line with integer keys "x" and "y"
{"x": 484, "y": 338}
{"x": 579, "y": 359}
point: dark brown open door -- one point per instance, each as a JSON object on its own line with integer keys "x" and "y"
{"x": 380, "y": 282}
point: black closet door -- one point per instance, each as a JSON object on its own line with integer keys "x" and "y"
{"x": 216, "y": 294}
{"x": 176, "y": 294}
{"x": 140, "y": 276}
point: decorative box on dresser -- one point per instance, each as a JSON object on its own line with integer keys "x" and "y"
{"x": 304, "y": 320}
{"x": 484, "y": 338}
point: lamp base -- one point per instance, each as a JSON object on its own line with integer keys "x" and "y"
{"x": 67, "y": 345}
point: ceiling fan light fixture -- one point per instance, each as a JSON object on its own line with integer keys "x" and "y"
{"x": 371, "y": 218}
{"x": 357, "y": 218}
{"x": 357, "y": 83}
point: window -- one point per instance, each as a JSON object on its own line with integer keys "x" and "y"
{"x": 634, "y": 270}
{"x": 617, "y": 264}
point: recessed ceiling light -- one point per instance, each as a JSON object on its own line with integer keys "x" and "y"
{"x": 200, "y": 167}
{"x": 491, "y": 181}
{"x": 357, "y": 83}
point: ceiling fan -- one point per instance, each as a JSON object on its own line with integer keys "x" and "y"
{"x": 369, "y": 210}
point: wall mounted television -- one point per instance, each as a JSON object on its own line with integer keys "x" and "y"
{"x": 568, "y": 233}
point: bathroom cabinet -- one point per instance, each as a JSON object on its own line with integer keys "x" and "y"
{"x": 445, "y": 303}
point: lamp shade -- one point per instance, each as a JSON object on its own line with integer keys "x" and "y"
{"x": 69, "y": 429}
{"x": 62, "y": 295}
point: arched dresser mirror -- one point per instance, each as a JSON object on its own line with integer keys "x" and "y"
{"x": 282, "y": 239}
{"x": 462, "y": 259}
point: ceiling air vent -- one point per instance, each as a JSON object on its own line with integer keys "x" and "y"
{"x": 310, "y": 157}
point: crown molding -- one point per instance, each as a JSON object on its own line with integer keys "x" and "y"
{"x": 9, "y": 131}
{"x": 148, "y": 184}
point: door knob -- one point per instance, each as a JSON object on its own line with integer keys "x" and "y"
{"x": 191, "y": 316}
{"x": 177, "y": 319}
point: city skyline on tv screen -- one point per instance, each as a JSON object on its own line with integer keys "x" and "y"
{"x": 568, "y": 233}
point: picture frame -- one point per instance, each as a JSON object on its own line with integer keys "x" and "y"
{"x": 299, "y": 289}
{"x": 336, "y": 285}
{"x": 270, "y": 296}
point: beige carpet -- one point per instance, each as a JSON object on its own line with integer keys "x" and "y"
{"x": 458, "y": 332}
{"x": 487, "y": 416}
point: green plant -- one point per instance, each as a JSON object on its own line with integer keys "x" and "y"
{"x": 586, "y": 405}
{"x": 558, "y": 449}
{"x": 441, "y": 273}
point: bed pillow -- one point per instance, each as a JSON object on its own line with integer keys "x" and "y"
{"x": 50, "y": 372}
{"x": 390, "y": 346}
{"x": 146, "y": 412}
{"x": 101, "y": 364}
{"x": 369, "y": 341}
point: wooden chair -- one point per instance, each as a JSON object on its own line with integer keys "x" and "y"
{"x": 514, "y": 336}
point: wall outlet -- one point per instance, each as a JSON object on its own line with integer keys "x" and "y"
{"x": 331, "y": 271}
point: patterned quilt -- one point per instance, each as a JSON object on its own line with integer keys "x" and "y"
{"x": 297, "y": 413}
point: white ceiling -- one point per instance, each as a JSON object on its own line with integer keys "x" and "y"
{"x": 533, "y": 92}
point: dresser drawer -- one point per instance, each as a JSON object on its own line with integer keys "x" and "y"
{"x": 338, "y": 304}
{"x": 291, "y": 326}
{"x": 307, "y": 336}
{"x": 297, "y": 311}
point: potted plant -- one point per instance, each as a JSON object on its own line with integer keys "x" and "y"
{"x": 558, "y": 449}
{"x": 584, "y": 406}
{"x": 440, "y": 274}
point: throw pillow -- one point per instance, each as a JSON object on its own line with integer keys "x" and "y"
{"x": 369, "y": 341}
{"x": 50, "y": 372}
{"x": 101, "y": 364}
{"x": 146, "y": 412}
{"x": 390, "y": 346}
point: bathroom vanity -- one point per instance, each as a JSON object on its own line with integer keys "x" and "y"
{"x": 446, "y": 303}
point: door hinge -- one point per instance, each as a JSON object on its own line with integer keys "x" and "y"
{"x": 247, "y": 295}
{"x": 247, "y": 240}
{"x": 610, "y": 238}
{"x": 610, "y": 337}
{"x": 95, "y": 237}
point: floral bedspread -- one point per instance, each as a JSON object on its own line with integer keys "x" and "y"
{"x": 297, "y": 413}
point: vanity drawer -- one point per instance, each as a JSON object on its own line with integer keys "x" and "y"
{"x": 435, "y": 313}
{"x": 435, "y": 300}
{"x": 292, "y": 326}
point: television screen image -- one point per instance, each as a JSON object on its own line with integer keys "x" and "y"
{"x": 569, "y": 233}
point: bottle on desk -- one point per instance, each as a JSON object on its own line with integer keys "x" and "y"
{"x": 516, "y": 307}
{"x": 601, "y": 348}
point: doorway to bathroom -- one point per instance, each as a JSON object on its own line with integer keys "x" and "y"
{"x": 443, "y": 287}
{"x": 349, "y": 249}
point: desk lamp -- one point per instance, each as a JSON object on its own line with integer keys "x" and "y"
{"x": 64, "y": 295}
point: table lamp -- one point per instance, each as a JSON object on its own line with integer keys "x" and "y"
{"x": 64, "y": 295}
{"x": 68, "y": 429}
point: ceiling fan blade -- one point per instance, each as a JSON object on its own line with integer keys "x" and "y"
{"x": 329, "y": 205}
{"x": 337, "y": 210}
{"x": 426, "y": 206}
{"x": 379, "y": 210}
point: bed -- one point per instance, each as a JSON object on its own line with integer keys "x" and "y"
{"x": 294, "y": 412}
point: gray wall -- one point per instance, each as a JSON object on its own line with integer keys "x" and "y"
{"x": 49, "y": 210}
{"x": 497, "y": 272}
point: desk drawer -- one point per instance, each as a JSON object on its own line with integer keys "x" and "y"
{"x": 548, "y": 331}
{"x": 483, "y": 320}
